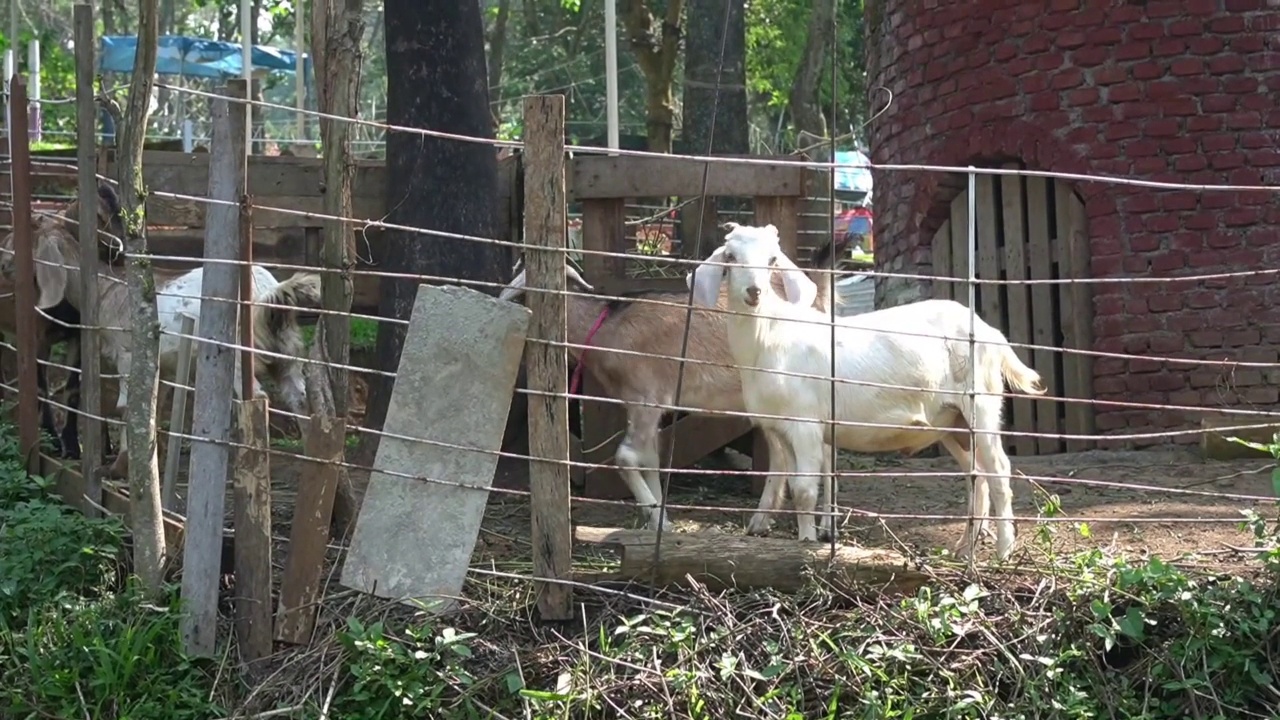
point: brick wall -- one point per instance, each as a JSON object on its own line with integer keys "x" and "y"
{"x": 1178, "y": 91}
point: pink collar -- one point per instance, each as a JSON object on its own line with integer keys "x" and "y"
{"x": 576, "y": 382}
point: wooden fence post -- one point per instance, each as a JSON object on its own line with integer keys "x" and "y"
{"x": 545, "y": 233}
{"x": 211, "y": 425}
{"x": 28, "y": 329}
{"x": 90, "y": 427}
{"x": 178, "y": 415}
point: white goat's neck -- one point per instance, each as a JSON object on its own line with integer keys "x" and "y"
{"x": 760, "y": 332}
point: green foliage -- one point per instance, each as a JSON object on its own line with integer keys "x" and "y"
{"x": 114, "y": 657}
{"x": 74, "y": 642}
{"x": 409, "y": 677}
{"x": 1096, "y": 635}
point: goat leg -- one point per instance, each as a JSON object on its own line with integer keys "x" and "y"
{"x": 46, "y": 409}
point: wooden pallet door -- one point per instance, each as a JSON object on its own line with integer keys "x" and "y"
{"x": 1031, "y": 232}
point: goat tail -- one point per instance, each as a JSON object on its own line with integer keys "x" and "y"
{"x": 1019, "y": 376}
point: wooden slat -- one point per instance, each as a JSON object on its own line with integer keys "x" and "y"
{"x": 251, "y": 493}
{"x": 309, "y": 532}
{"x": 988, "y": 254}
{"x": 1017, "y": 299}
{"x": 1077, "y": 312}
{"x": 782, "y": 213}
{"x": 960, "y": 247}
{"x": 942, "y": 263}
{"x": 603, "y": 229}
{"x": 1040, "y": 259}
{"x": 600, "y": 176}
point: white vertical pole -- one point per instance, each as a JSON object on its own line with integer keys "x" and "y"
{"x": 8, "y": 76}
{"x": 611, "y": 69}
{"x": 299, "y": 80}
{"x": 33, "y": 69}
{"x": 247, "y": 21}
{"x": 188, "y": 136}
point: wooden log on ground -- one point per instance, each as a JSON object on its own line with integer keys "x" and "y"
{"x": 1215, "y": 445}
{"x": 721, "y": 561}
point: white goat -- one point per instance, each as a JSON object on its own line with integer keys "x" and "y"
{"x": 276, "y": 329}
{"x": 711, "y": 384}
{"x": 933, "y": 363}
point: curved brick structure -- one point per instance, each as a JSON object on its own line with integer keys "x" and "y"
{"x": 1182, "y": 91}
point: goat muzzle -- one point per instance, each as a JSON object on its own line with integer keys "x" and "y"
{"x": 753, "y": 296}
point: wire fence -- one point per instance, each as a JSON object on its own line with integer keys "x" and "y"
{"x": 605, "y": 362}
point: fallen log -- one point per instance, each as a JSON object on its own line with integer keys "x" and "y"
{"x": 741, "y": 562}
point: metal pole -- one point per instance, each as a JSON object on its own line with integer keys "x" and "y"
{"x": 972, "y": 252}
{"x": 33, "y": 82}
{"x": 246, "y": 71}
{"x": 299, "y": 80}
{"x": 611, "y": 70}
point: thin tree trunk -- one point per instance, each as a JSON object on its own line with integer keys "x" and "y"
{"x": 657, "y": 48}
{"x": 806, "y": 115}
{"x": 497, "y": 47}
{"x": 143, "y": 380}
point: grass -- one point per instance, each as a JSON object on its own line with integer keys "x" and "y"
{"x": 1091, "y": 635}
{"x": 364, "y": 334}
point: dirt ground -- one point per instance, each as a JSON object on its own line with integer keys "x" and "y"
{"x": 1165, "y": 502}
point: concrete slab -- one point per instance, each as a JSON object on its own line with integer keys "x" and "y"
{"x": 414, "y": 538}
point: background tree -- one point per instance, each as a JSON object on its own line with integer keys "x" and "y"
{"x": 436, "y": 80}
{"x": 715, "y": 98}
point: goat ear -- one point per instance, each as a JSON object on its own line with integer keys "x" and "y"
{"x": 706, "y": 278}
{"x": 575, "y": 277}
{"x": 51, "y": 276}
{"x": 800, "y": 289}
{"x": 513, "y": 288}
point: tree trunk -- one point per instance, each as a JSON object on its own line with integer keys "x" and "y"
{"x": 498, "y": 46}
{"x": 657, "y": 48}
{"x": 715, "y": 102}
{"x": 436, "y": 80}
{"x": 146, "y": 518}
{"x": 806, "y": 114}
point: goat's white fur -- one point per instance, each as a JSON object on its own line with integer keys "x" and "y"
{"x": 869, "y": 349}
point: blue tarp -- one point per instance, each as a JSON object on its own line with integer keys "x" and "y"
{"x": 850, "y": 178}
{"x": 194, "y": 57}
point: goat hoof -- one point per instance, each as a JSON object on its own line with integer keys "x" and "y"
{"x": 759, "y": 524}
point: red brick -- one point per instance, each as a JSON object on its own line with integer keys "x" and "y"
{"x": 1237, "y": 6}
{"x": 1227, "y": 161}
{"x": 1206, "y": 45}
{"x": 1177, "y": 200}
{"x": 1256, "y": 102}
{"x": 1257, "y": 354}
{"x": 1186, "y": 66}
{"x": 1190, "y": 163}
{"x": 1226, "y": 25}
{"x": 1250, "y": 336}
{"x": 1179, "y": 145}
{"x": 1136, "y": 110}
{"x": 1185, "y": 398}
{"x": 1110, "y": 75}
{"x": 1088, "y": 57}
{"x": 1204, "y": 123}
{"x": 1082, "y": 96}
{"x": 1261, "y": 395}
{"x": 1244, "y": 121}
{"x": 1218, "y": 142}
{"x": 1240, "y": 217}
{"x": 1140, "y": 243}
{"x": 1169, "y": 47}
{"x": 1187, "y": 27}
{"x": 1168, "y": 261}
{"x": 1206, "y": 338}
{"x": 1160, "y": 224}
{"x": 1203, "y": 378}
{"x": 1145, "y": 31}
{"x": 1165, "y": 303}
{"x": 1161, "y": 127}
{"x": 1226, "y": 65}
{"x": 1240, "y": 84}
{"x": 1120, "y": 131}
{"x": 1124, "y": 93}
{"x": 1201, "y": 299}
{"x": 1246, "y": 377}
{"x": 1132, "y": 51}
{"x": 1166, "y": 343}
{"x": 1168, "y": 382}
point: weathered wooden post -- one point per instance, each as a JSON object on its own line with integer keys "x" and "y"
{"x": 545, "y": 234}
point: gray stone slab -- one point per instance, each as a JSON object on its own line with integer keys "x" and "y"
{"x": 414, "y": 538}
